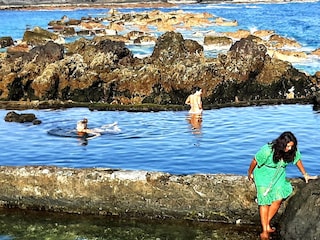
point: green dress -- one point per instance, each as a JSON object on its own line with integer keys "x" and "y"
{"x": 270, "y": 178}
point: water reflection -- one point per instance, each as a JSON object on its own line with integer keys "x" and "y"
{"x": 22, "y": 224}
{"x": 195, "y": 121}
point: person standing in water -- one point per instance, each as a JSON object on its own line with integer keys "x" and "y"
{"x": 268, "y": 172}
{"x": 195, "y": 102}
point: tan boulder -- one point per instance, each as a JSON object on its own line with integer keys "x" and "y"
{"x": 117, "y": 26}
{"x": 22, "y": 47}
{"x": 92, "y": 25}
{"x": 143, "y": 28}
{"x": 263, "y": 33}
{"x": 217, "y": 41}
{"x": 134, "y": 35}
{"x": 289, "y": 56}
{"x": 238, "y": 34}
{"x": 145, "y": 39}
{"x": 222, "y": 22}
{"x": 163, "y": 27}
{"x": 282, "y": 42}
{"x": 316, "y": 52}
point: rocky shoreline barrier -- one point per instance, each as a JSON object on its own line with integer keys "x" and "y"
{"x": 215, "y": 198}
{"x": 116, "y": 192}
{"x": 51, "y": 104}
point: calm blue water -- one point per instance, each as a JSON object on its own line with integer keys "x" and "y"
{"x": 299, "y": 21}
{"x": 162, "y": 141}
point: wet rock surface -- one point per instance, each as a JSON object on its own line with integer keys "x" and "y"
{"x": 21, "y": 118}
{"x": 302, "y": 218}
{"x": 111, "y": 192}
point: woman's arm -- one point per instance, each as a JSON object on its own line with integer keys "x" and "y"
{"x": 251, "y": 168}
{"x": 303, "y": 171}
{"x": 188, "y": 100}
{"x": 199, "y": 103}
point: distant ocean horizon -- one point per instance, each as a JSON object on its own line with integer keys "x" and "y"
{"x": 295, "y": 20}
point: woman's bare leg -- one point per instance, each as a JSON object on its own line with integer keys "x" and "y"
{"x": 273, "y": 209}
{"x": 264, "y": 218}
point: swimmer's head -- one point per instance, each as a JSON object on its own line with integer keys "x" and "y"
{"x": 84, "y": 120}
{"x": 197, "y": 90}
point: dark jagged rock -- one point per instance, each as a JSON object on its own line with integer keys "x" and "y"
{"x": 6, "y": 42}
{"x": 21, "y": 118}
{"x": 301, "y": 219}
{"x": 171, "y": 47}
{"x": 43, "y": 54}
{"x": 102, "y": 70}
{"x": 249, "y": 73}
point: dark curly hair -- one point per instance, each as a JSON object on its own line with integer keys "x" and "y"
{"x": 279, "y": 145}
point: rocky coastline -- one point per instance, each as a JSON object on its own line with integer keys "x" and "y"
{"x": 102, "y": 71}
{"x": 36, "y": 4}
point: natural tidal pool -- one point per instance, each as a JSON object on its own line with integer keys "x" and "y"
{"x": 223, "y": 142}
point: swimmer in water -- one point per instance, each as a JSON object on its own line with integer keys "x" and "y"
{"x": 82, "y": 128}
{"x": 195, "y": 102}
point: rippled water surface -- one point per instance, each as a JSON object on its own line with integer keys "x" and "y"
{"x": 162, "y": 141}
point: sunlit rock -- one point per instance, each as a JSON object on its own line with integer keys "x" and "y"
{"x": 217, "y": 41}
{"x": 145, "y": 40}
{"x": 264, "y": 34}
{"x": 39, "y": 36}
{"x": 287, "y": 55}
{"x": 19, "y": 48}
{"x": 316, "y": 52}
{"x": 238, "y": 34}
{"x": 283, "y": 42}
{"x": 223, "y": 22}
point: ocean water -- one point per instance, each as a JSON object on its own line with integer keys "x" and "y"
{"x": 224, "y": 142}
{"x": 295, "y": 20}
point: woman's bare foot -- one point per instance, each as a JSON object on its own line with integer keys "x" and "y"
{"x": 271, "y": 229}
{"x": 264, "y": 236}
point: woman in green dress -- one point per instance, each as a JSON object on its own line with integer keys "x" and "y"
{"x": 268, "y": 171}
